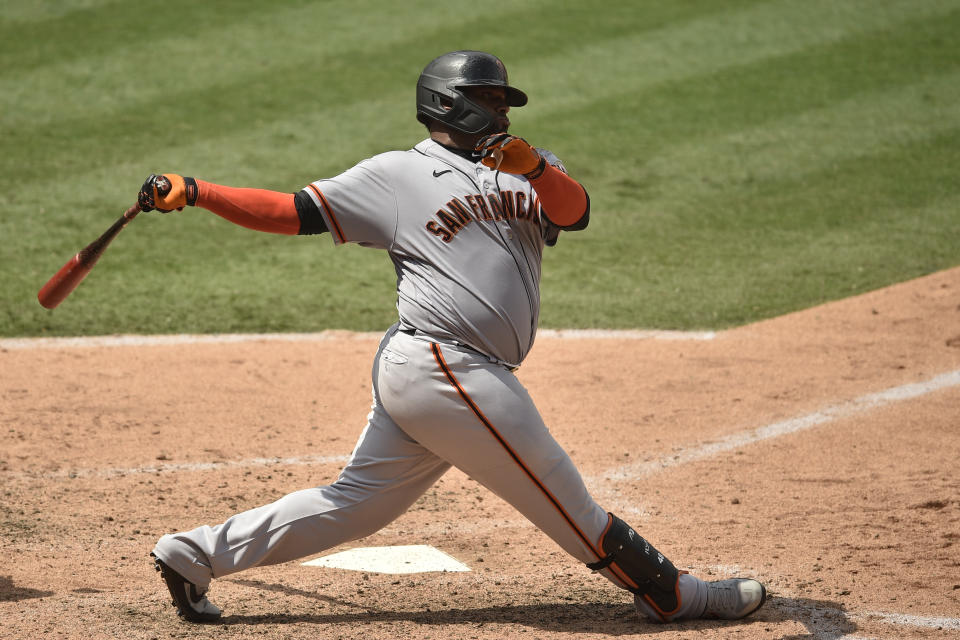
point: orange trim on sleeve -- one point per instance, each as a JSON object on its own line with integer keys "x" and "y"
{"x": 564, "y": 200}
{"x": 257, "y": 209}
{"x": 326, "y": 205}
{"x": 438, "y": 356}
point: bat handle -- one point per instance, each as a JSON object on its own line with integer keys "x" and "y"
{"x": 132, "y": 212}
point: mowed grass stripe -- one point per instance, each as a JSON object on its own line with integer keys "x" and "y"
{"x": 213, "y": 97}
{"x": 697, "y": 230}
{"x": 229, "y": 79}
{"x": 611, "y": 55}
{"x": 22, "y": 13}
{"x": 871, "y": 185}
{"x": 195, "y": 42}
{"x": 114, "y": 30}
{"x": 217, "y": 52}
{"x": 706, "y": 45}
{"x": 858, "y": 221}
{"x": 685, "y": 113}
{"x": 865, "y": 124}
{"x": 286, "y": 121}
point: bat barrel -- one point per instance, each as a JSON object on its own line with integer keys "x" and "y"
{"x": 76, "y": 269}
{"x": 63, "y": 282}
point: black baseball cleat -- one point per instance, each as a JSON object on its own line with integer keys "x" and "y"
{"x": 191, "y": 604}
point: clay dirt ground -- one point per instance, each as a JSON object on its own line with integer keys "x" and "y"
{"x": 847, "y": 505}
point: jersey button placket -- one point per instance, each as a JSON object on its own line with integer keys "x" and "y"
{"x": 491, "y": 189}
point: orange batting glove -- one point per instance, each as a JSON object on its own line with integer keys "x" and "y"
{"x": 504, "y": 152}
{"x": 167, "y": 192}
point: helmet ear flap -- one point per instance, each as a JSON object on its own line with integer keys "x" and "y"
{"x": 432, "y": 103}
{"x": 457, "y": 111}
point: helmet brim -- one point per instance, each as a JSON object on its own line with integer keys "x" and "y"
{"x": 515, "y": 97}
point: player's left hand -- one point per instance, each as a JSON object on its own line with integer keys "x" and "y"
{"x": 504, "y": 152}
{"x": 167, "y": 192}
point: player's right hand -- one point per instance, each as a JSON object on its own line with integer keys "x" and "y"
{"x": 511, "y": 154}
{"x": 166, "y": 192}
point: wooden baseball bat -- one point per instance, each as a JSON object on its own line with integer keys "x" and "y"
{"x": 76, "y": 269}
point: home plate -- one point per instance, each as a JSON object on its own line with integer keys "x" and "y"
{"x": 416, "y": 558}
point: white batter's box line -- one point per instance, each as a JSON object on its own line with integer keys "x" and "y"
{"x": 192, "y": 466}
{"x": 824, "y": 619}
{"x": 853, "y": 407}
{"x": 181, "y": 339}
{"x": 909, "y": 620}
{"x": 624, "y": 334}
{"x": 321, "y": 336}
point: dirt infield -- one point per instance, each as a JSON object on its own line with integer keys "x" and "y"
{"x": 817, "y": 452}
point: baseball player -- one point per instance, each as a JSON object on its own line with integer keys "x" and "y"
{"x": 465, "y": 216}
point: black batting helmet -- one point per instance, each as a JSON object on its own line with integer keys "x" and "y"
{"x": 439, "y": 95}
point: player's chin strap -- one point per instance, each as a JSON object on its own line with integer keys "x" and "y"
{"x": 649, "y": 574}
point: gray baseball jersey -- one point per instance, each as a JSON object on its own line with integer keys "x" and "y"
{"x": 466, "y": 243}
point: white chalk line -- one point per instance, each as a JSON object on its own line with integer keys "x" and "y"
{"x": 905, "y": 620}
{"x": 12, "y": 344}
{"x": 192, "y": 466}
{"x": 859, "y": 405}
{"x": 179, "y": 339}
{"x": 826, "y": 627}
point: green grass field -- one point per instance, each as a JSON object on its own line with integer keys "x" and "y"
{"x": 744, "y": 159}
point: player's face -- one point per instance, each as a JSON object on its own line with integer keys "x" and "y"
{"x": 493, "y": 99}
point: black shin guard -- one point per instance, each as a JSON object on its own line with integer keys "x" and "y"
{"x": 644, "y": 570}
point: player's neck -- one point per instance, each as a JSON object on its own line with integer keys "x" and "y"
{"x": 467, "y": 154}
{"x": 456, "y": 141}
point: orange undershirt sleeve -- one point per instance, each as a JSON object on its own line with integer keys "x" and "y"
{"x": 257, "y": 209}
{"x": 564, "y": 200}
